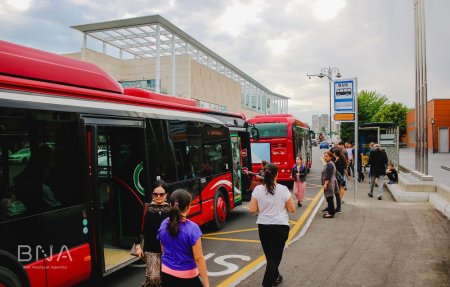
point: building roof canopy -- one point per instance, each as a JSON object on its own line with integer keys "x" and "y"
{"x": 148, "y": 36}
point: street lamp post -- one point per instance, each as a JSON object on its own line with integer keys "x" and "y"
{"x": 432, "y": 134}
{"x": 328, "y": 72}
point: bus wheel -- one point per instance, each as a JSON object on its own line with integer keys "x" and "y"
{"x": 8, "y": 278}
{"x": 220, "y": 210}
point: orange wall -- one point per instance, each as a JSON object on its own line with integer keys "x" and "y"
{"x": 439, "y": 109}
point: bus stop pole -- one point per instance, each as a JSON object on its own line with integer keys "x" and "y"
{"x": 356, "y": 156}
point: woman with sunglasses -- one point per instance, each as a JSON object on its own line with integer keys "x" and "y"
{"x": 157, "y": 211}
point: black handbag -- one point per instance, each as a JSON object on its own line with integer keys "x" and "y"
{"x": 339, "y": 177}
{"x": 141, "y": 243}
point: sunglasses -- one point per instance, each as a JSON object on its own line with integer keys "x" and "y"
{"x": 157, "y": 194}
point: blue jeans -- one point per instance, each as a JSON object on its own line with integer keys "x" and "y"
{"x": 380, "y": 184}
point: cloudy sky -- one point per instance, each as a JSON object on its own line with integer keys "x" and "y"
{"x": 275, "y": 42}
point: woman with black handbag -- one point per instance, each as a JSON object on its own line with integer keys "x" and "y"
{"x": 156, "y": 212}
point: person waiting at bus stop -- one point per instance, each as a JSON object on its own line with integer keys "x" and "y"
{"x": 377, "y": 161}
{"x": 329, "y": 183}
{"x": 299, "y": 176}
{"x": 392, "y": 174}
{"x": 183, "y": 264}
{"x": 156, "y": 212}
{"x": 272, "y": 202}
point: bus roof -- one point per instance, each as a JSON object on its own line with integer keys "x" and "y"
{"x": 29, "y": 63}
{"x": 29, "y": 69}
{"x": 277, "y": 118}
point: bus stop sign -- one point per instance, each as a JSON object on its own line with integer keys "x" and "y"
{"x": 344, "y": 96}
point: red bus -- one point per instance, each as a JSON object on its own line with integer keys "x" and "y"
{"x": 78, "y": 154}
{"x": 282, "y": 138}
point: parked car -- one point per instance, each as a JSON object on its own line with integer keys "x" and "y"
{"x": 21, "y": 156}
{"x": 324, "y": 144}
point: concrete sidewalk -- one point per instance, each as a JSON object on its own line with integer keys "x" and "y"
{"x": 436, "y": 162}
{"x": 372, "y": 243}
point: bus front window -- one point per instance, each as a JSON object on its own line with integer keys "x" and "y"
{"x": 272, "y": 130}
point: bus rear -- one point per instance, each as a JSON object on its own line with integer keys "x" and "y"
{"x": 276, "y": 146}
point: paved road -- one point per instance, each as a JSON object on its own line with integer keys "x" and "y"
{"x": 372, "y": 243}
{"x": 236, "y": 247}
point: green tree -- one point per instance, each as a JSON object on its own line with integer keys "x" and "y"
{"x": 347, "y": 132}
{"x": 394, "y": 112}
{"x": 369, "y": 103}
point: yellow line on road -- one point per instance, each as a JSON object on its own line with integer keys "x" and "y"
{"x": 231, "y": 239}
{"x": 313, "y": 185}
{"x": 229, "y": 232}
{"x": 260, "y": 259}
{"x": 304, "y": 216}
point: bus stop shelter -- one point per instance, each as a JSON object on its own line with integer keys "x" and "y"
{"x": 386, "y": 134}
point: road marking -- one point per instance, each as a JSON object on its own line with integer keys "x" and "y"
{"x": 313, "y": 185}
{"x": 221, "y": 260}
{"x": 231, "y": 239}
{"x": 230, "y": 232}
{"x": 252, "y": 267}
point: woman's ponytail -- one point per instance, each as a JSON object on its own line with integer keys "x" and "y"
{"x": 180, "y": 199}
{"x": 270, "y": 173}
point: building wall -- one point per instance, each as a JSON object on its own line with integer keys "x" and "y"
{"x": 193, "y": 80}
{"x": 441, "y": 114}
{"x": 437, "y": 109}
{"x": 210, "y": 86}
{"x": 144, "y": 69}
{"x": 411, "y": 128}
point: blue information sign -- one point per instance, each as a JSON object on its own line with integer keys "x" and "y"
{"x": 344, "y": 96}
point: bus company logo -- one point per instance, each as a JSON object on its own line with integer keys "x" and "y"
{"x": 279, "y": 151}
{"x": 24, "y": 253}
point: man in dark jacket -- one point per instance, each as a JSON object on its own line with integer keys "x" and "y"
{"x": 377, "y": 161}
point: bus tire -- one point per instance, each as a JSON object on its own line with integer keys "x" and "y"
{"x": 220, "y": 210}
{"x": 8, "y": 278}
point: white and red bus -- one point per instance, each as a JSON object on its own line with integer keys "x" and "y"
{"x": 78, "y": 155}
{"x": 282, "y": 138}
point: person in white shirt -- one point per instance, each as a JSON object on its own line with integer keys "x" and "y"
{"x": 272, "y": 202}
{"x": 351, "y": 163}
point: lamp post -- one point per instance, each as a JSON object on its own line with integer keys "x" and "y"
{"x": 328, "y": 72}
{"x": 432, "y": 134}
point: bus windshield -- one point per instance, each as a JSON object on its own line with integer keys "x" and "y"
{"x": 272, "y": 130}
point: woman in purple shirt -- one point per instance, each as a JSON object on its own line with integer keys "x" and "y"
{"x": 182, "y": 259}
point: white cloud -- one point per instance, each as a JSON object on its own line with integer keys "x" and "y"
{"x": 275, "y": 42}
{"x": 18, "y": 5}
{"x": 327, "y": 9}
{"x": 239, "y": 14}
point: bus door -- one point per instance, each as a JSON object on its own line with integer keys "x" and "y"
{"x": 116, "y": 154}
{"x": 241, "y": 162}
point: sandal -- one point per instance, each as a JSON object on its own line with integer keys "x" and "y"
{"x": 328, "y": 215}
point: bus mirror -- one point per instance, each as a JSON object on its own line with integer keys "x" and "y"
{"x": 313, "y": 134}
{"x": 254, "y": 133}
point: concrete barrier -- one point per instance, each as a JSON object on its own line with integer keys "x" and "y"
{"x": 441, "y": 199}
{"x": 412, "y": 189}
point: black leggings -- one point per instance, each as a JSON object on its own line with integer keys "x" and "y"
{"x": 172, "y": 281}
{"x": 273, "y": 239}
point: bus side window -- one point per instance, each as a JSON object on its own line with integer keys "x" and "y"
{"x": 42, "y": 169}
